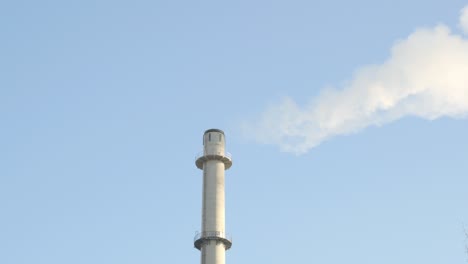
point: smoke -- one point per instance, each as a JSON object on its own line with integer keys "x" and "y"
{"x": 464, "y": 19}
{"x": 425, "y": 76}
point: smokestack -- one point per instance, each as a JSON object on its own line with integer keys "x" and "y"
{"x": 212, "y": 240}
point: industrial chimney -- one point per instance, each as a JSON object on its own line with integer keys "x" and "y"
{"x": 212, "y": 240}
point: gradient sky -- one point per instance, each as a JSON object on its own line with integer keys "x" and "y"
{"x": 103, "y": 105}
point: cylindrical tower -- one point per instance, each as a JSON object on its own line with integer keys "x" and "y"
{"x": 212, "y": 240}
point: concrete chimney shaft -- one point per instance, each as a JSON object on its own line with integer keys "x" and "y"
{"x": 212, "y": 240}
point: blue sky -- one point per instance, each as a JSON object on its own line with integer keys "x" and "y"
{"x": 103, "y": 105}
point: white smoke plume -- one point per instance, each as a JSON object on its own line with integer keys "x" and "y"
{"x": 464, "y": 19}
{"x": 426, "y": 76}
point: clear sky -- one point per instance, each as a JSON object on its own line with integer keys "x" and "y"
{"x": 103, "y": 105}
